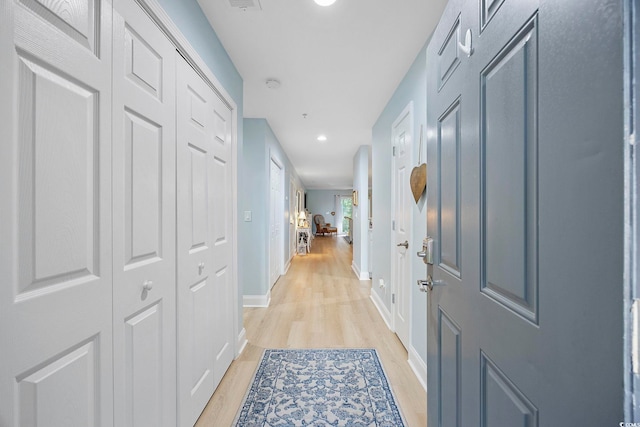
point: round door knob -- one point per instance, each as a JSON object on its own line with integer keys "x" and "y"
{"x": 147, "y": 285}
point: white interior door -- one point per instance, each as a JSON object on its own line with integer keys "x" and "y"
{"x": 224, "y": 243}
{"x": 144, "y": 327}
{"x": 402, "y": 137}
{"x": 275, "y": 220}
{"x": 205, "y": 242}
{"x": 293, "y": 218}
{"x": 55, "y": 232}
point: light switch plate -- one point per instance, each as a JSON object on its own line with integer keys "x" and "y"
{"x": 247, "y": 216}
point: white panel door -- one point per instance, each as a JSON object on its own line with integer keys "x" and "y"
{"x": 144, "y": 325}
{"x": 402, "y": 130}
{"x": 205, "y": 242}
{"x": 275, "y": 218}
{"x": 55, "y": 244}
{"x": 223, "y": 241}
{"x": 293, "y": 219}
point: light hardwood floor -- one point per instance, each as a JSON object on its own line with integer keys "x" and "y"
{"x": 319, "y": 303}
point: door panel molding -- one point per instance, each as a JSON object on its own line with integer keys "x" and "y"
{"x": 509, "y": 174}
{"x": 449, "y": 54}
{"x": 448, "y": 188}
{"x": 449, "y": 367}
{"x": 501, "y": 402}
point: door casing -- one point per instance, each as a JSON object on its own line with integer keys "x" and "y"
{"x": 275, "y": 243}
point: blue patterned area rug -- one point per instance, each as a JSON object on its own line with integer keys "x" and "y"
{"x": 338, "y": 387}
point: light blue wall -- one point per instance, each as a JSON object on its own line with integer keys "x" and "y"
{"x": 322, "y": 202}
{"x": 361, "y": 212}
{"x": 254, "y": 198}
{"x": 188, "y": 16}
{"x": 260, "y": 146}
{"x": 412, "y": 88}
{"x": 190, "y": 19}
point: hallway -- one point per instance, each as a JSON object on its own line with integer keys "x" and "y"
{"x": 319, "y": 303}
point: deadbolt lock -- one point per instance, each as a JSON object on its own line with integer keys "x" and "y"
{"x": 427, "y": 251}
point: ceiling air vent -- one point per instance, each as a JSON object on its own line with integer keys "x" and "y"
{"x": 246, "y": 5}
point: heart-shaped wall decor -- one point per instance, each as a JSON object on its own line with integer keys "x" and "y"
{"x": 418, "y": 181}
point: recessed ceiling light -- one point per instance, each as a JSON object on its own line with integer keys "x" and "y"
{"x": 325, "y": 2}
{"x": 322, "y": 138}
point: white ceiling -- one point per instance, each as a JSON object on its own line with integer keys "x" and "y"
{"x": 338, "y": 64}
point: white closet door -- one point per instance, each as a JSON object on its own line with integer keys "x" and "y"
{"x": 223, "y": 240}
{"x": 55, "y": 231}
{"x": 144, "y": 328}
{"x": 205, "y": 242}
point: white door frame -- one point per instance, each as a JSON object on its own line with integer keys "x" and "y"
{"x": 408, "y": 110}
{"x": 279, "y": 216}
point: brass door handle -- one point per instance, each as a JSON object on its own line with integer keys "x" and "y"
{"x": 405, "y": 244}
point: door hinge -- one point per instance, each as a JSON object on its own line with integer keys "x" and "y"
{"x": 394, "y": 151}
{"x": 393, "y": 298}
{"x": 393, "y": 225}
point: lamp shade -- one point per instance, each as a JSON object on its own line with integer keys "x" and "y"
{"x": 302, "y": 215}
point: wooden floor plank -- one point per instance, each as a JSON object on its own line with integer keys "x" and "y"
{"x": 319, "y": 303}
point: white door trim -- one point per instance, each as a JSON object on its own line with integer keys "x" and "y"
{"x": 279, "y": 214}
{"x": 171, "y": 30}
{"x": 291, "y": 225}
{"x": 408, "y": 110}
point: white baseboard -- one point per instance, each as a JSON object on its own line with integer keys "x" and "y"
{"x": 418, "y": 366}
{"x": 241, "y": 342}
{"x": 355, "y": 269}
{"x": 286, "y": 267}
{"x": 256, "y": 300}
{"x": 384, "y": 313}
{"x": 361, "y": 275}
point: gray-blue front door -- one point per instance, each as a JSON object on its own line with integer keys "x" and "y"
{"x": 525, "y": 205}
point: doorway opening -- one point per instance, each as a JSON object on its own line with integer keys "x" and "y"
{"x": 345, "y": 212}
